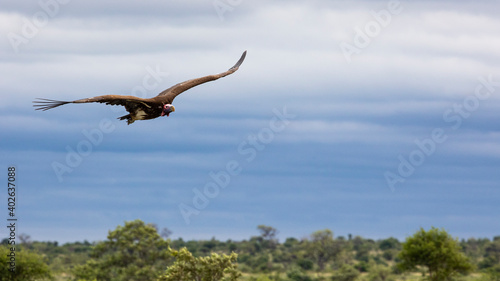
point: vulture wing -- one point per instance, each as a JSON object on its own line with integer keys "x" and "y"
{"x": 169, "y": 94}
{"x": 130, "y": 102}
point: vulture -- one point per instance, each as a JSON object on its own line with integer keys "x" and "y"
{"x": 140, "y": 108}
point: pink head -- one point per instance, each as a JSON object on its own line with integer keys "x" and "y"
{"x": 167, "y": 109}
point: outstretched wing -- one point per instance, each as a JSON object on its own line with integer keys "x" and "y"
{"x": 129, "y": 102}
{"x": 169, "y": 94}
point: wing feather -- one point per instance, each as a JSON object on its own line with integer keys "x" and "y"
{"x": 127, "y": 101}
{"x": 46, "y": 104}
{"x": 131, "y": 103}
{"x": 169, "y": 94}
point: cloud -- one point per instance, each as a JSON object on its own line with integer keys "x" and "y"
{"x": 352, "y": 121}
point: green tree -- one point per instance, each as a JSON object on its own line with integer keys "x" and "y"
{"x": 211, "y": 268}
{"x": 134, "y": 252}
{"x": 437, "y": 251}
{"x": 493, "y": 251}
{"x": 362, "y": 248}
{"x": 389, "y": 243}
{"x": 268, "y": 234}
{"x": 322, "y": 247}
{"x": 28, "y": 265}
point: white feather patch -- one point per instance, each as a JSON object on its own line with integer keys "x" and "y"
{"x": 139, "y": 115}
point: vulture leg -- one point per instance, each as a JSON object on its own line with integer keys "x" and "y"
{"x": 128, "y": 118}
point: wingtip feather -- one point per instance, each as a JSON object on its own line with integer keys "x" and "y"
{"x": 240, "y": 61}
{"x": 46, "y": 104}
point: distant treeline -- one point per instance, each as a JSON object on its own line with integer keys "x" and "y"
{"x": 321, "y": 252}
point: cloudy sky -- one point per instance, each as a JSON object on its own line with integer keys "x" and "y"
{"x": 373, "y": 118}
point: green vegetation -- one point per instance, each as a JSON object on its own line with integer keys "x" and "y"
{"x": 212, "y": 268}
{"x": 437, "y": 251}
{"x": 132, "y": 252}
{"x": 28, "y": 265}
{"x": 345, "y": 273}
{"x": 137, "y": 251}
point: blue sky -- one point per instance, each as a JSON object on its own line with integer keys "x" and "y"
{"x": 373, "y": 118}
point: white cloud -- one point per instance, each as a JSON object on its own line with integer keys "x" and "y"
{"x": 353, "y": 119}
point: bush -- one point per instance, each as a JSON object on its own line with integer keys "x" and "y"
{"x": 362, "y": 266}
{"x": 380, "y": 273}
{"x": 28, "y": 266}
{"x": 211, "y": 268}
{"x": 298, "y": 275}
{"x": 345, "y": 273}
{"x": 389, "y": 254}
{"x": 305, "y": 264}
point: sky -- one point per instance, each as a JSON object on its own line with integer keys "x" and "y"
{"x": 370, "y": 118}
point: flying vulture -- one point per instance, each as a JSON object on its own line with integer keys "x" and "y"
{"x": 139, "y": 108}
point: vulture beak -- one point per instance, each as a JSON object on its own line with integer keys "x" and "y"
{"x": 167, "y": 109}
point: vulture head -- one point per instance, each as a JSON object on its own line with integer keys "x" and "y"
{"x": 167, "y": 109}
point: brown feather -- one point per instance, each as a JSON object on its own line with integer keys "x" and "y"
{"x": 169, "y": 94}
{"x": 148, "y": 108}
